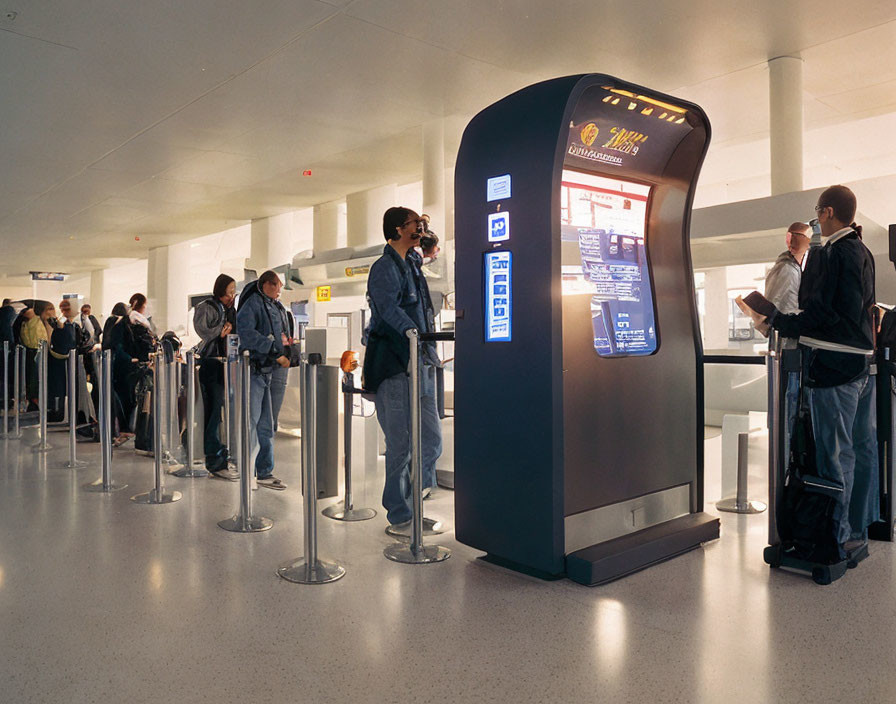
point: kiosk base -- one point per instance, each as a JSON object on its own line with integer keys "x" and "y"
{"x": 881, "y": 530}
{"x": 622, "y": 556}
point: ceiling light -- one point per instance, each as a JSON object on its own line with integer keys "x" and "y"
{"x": 663, "y": 116}
{"x": 615, "y": 102}
{"x": 632, "y": 106}
{"x": 647, "y": 111}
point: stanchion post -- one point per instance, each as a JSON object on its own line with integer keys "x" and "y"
{"x": 416, "y": 552}
{"x": 310, "y": 569}
{"x": 18, "y": 365}
{"x": 740, "y": 503}
{"x": 103, "y": 370}
{"x": 43, "y": 352}
{"x": 157, "y": 495}
{"x": 188, "y": 469}
{"x": 5, "y": 432}
{"x": 244, "y": 521}
{"x": 72, "y": 399}
{"x": 345, "y": 510}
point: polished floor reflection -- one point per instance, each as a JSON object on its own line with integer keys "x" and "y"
{"x": 103, "y": 600}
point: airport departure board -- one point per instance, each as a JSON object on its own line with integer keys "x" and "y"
{"x": 606, "y": 218}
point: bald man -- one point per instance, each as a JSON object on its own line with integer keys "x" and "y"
{"x": 782, "y": 283}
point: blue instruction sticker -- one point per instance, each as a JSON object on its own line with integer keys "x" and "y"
{"x": 498, "y": 188}
{"x": 498, "y": 227}
{"x": 498, "y": 296}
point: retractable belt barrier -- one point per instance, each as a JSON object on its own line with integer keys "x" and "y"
{"x": 243, "y": 521}
{"x": 105, "y": 418}
{"x": 416, "y": 552}
{"x": 310, "y": 569}
{"x": 72, "y": 391}
{"x": 188, "y": 470}
{"x": 157, "y": 495}
{"x": 43, "y": 352}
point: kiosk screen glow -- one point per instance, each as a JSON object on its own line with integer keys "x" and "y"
{"x": 498, "y": 296}
{"x": 607, "y": 218}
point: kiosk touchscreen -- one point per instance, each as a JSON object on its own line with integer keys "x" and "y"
{"x": 578, "y": 405}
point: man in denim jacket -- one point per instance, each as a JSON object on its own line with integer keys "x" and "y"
{"x": 262, "y": 333}
{"x": 399, "y": 301}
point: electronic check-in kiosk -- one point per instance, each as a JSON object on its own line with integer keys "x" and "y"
{"x": 578, "y": 386}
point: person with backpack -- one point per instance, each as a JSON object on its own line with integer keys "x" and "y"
{"x": 835, "y": 330}
{"x": 399, "y": 301}
{"x": 262, "y": 333}
{"x": 214, "y": 319}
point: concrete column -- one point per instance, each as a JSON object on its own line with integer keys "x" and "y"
{"x": 364, "y": 215}
{"x": 715, "y": 321}
{"x": 785, "y": 83}
{"x": 100, "y": 306}
{"x": 168, "y": 287}
{"x": 434, "y": 174}
{"x": 326, "y": 226}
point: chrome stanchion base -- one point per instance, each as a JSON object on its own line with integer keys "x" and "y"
{"x": 732, "y": 506}
{"x": 252, "y": 524}
{"x": 321, "y": 572}
{"x": 338, "y": 512}
{"x": 153, "y": 497}
{"x": 41, "y": 448}
{"x": 401, "y": 552}
{"x": 98, "y": 487}
{"x": 75, "y": 465}
{"x": 190, "y": 472}
{"x": 403, "y": 530}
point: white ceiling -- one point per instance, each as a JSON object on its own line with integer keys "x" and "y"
{"x": 166, "y": 121}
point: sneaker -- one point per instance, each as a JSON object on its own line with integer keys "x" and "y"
{"x": 271, "y": 483}
{"x": 427, "y": 492}
{"x": 144, "y": 453}
{"x": 121, "y": 440}
{"x": 225, "y": 474}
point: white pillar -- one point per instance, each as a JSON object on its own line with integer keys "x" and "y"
{"x": 715, "y": 320}
{"x": 785, "y": 83}
{"x": 326, "y": 226}
{"x": 168, "y": 287}
{"x": 434, "y": 174}
{"x": 364, "y": 215}
{"x": 99, "y": 305}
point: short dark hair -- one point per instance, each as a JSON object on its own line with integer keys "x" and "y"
{"x": 268, "y": 277}
{"x": 6, "y": 301}
{"x": 221, "y": 284}
{"x": 120, "y": 309}
{"x": 841, "y": 200}
{"x": 799, "y": 228}
{"x": 392, "y": 218}
{"x": 85, "y": 305}
{"x": 138, "y": 300}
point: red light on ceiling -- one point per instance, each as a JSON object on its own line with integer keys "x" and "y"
{"x": 136, "y": 239}
{"x": 306, "y": 172}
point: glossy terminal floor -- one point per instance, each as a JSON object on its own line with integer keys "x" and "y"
{"x": 102, "y": 600}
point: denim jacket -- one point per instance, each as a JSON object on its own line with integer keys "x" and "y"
{"x": 398, "y": 302}
{"x": 261, "y": 330}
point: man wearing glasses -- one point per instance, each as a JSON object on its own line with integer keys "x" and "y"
{"x": 835, "y": 331}
{"x": 399, "y": 301}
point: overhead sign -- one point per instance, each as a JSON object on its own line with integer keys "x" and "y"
{"x": 323, "y": 293}
{"x": 47, "y": 276}
{"x": 357, "y": 270}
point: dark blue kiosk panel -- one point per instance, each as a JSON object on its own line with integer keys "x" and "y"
{"x": 578, "y": 390}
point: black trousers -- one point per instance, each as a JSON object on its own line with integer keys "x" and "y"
{"x": 211, "y": 385}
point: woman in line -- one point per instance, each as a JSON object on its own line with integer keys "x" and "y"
{"x": 33, "y": 332}
{"x": 117, "y": 338}
{"x": 214, "y": 319}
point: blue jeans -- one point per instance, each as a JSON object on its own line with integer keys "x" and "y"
{"x": 261, "y": 421}
{"x": 791, "y": 406}
{"x": 394, "y": 414}
{"x": 845, "y": 427}
{"x": 278, "y": 391}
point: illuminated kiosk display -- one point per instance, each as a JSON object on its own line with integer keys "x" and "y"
{"x": 578, "y": 387}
